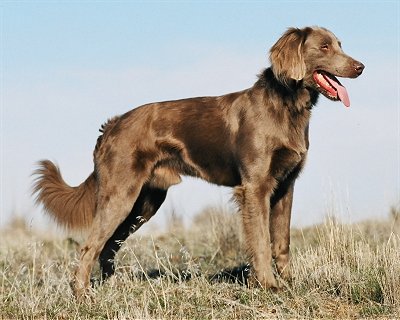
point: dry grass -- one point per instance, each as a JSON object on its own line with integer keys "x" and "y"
{"x": 340, "y": 271}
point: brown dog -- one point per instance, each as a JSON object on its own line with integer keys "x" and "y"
{"x": 255, "y": 140}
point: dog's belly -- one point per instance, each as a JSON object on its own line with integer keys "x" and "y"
{"x": 220, "y": 171}
{"x": 215, "y": 166}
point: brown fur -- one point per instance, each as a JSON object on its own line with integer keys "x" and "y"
{"x": 72, "y": 207}
{"x": 255, "y": 140}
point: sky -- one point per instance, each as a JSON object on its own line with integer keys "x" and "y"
{"x": 68, "y": 66}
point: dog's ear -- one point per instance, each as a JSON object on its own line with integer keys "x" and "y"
{"x": 286, "y": 56}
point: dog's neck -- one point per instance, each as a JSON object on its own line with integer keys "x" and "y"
{"x": 294, "y": 93}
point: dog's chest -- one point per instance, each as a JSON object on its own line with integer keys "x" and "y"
{"x": 289, "y": 150}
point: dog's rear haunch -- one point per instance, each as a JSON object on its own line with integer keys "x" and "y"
{"x": 255, "y": 140}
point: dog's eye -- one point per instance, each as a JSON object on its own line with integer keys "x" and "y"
{"x": 324, "y": 47}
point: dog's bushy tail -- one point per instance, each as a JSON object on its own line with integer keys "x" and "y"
{"x": 71, "y": 207}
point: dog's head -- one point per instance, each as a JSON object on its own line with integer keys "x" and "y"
{"x": 314, "y": 56}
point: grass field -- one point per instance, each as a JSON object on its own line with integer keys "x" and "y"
{"x": 340, "y": 271}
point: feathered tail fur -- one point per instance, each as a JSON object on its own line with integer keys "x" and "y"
{"x": 70, "y": 207}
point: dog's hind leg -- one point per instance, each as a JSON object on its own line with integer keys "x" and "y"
{"x": 149, "y": 201}
{"x": 115, "y": 196}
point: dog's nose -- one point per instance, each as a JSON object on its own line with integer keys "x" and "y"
{"x": 359, "y": 67}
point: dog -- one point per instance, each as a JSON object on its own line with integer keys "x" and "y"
{"x": 255, "y": 141}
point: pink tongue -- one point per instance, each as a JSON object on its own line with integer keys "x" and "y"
{"x": 342, "y": 92}
{"x": 343, "y": 96}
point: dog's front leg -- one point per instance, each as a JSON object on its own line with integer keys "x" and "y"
{"x": 280, "y": 232}
{"x": 255, "y": 206}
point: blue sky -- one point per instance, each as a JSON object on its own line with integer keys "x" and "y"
{"x": 68, "y": 66}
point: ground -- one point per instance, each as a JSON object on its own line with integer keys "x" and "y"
{"x": 340, "y": 271}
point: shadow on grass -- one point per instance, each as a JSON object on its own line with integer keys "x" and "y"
{"x": 237, "y": 275}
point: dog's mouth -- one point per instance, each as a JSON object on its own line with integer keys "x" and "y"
{"x": 330, "y": 87}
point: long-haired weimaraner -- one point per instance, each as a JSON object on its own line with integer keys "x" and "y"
{"x": 255, "y": 140}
